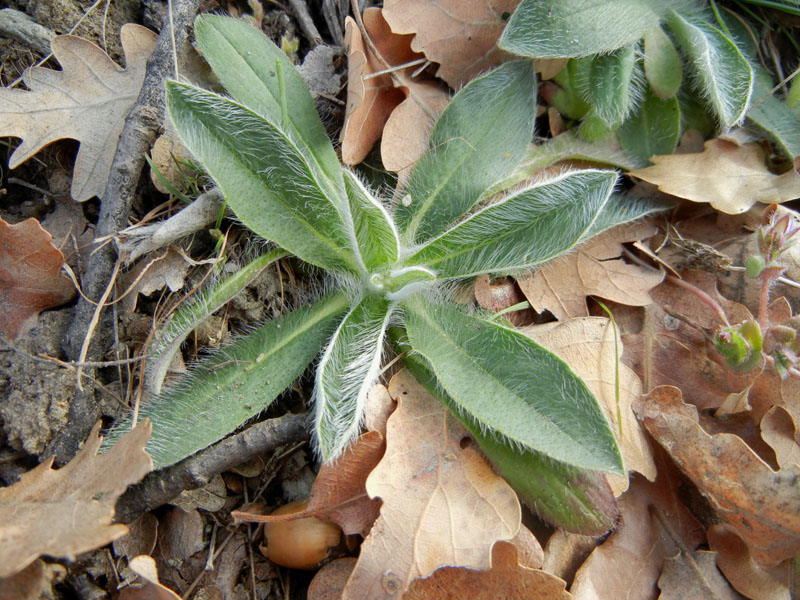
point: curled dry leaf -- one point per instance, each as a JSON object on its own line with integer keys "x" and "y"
{"x": 779, "y": 430}
{"x": 68, "y": 511}
{"x": 442, "y": 504}
{"x": 145, "y": 567}
{"x": 167, "y": 269}
{"x": 745, "y": 574}
{"x": 760, "y": 504}
{"x": 588, "y": 346}
{"x": 397, "y": 107}
{"x": 87, "y": 101}
{"x": 30, "y": 276}
{"x": 460, "y": 35}
{"x": 506, "y": 579}
{"x": 729, "y": 176}
{"x": 594, "y": 269}
{"x": 330, "y": 580}
{"x": 339, "y": 492}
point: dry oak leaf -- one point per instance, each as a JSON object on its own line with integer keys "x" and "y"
{"x": 30, "y": 276}
{"x": 395, "y": 107}
{"x": 339, "y": 492}
{"x": 779, "y": 430}
{"x": 145, "y": 567}
{"x": 506, "y": 579}
{"x": 460, "y": 35}
{"x": 68, "y": 511}
{"x": 694, "y": 575}
{"x": 87, "y": 101}
{"x": 743, "y": 573}
{"x": 762, "y": 505}
{"x": 593, "y": 350}
{"x": 729, "y": 176}
{"x": 442, "y": 504}
{"x": 594, "y": 269}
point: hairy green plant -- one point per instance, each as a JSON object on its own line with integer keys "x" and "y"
{"x": 390, "y": 265}
{"x": 627, "y": 65}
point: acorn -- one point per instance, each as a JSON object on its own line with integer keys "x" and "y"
{"x": 301, "y": 543}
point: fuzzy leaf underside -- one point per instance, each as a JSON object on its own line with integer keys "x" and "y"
{"x": 528, "y": 228}
{"x": 610, "y": 86}
{"x": 375, "y": 233}
{"x": 511, "y": 385}
{"x": 236, "y": 383}
{"x": 723, "y": 74}
{"x": 480, "y": 138}
{"x": 348, "y": 369}
{"x": 573, "y": 499}
{"x": 246, "y": 63}
{"x": 574, "y": 28}
{"x": 266, "y": 180}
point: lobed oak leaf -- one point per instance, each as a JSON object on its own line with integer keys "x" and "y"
{"x": 594, "y": 269}
{"x": 87, "y": 101}
{"x": 442, "y": 504}
{"x": 459, "y": 35}
{"x": 746, "y": 575}
{"x": 395, "y": 107}
{"x": 506, "y": 579}
{"x": 729, "y": 176}
{"x": 593, "y": 350}
{"x": 779, "y": 430}
{"x": 30, "y": 276}
{"x": 762, "y": 505}
{"x": 68, "y": 511}
{"x": 694, "y": 575}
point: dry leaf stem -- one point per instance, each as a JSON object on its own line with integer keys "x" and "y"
{"x": 141, "y": 127}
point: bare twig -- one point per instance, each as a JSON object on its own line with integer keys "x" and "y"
{"x": 195, "y": 472}
{"x": 305, "y": 21}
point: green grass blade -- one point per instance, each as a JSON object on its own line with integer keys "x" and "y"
{"x": 525, "y": 229}
{"x": 572, "y": 28}
{"x": 375, "y": 232}
{"x": 246, "y": 62}
{"x": 348, "y": 369}
{"x": 479, "y": 138}
{"x": 511, "y": 385}
{"x": 236, "y": 383}
{"x": 723, "y": 74}
{"x": 266, "y": 179}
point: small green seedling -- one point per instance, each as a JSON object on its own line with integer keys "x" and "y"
{"x": 394, "y": 265}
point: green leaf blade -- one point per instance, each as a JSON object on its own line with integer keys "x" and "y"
{"x": 348, "y": 369}
{"x": 527, "y": 228}
{"x": 610, "y": 85}
{"x": 511, "y": 385}
{"x": 246, "y": 63}
{"x": 266, "y": 180}
{"x": 662, "y": 64}
{"x": 652, "y": 130}
{"x": 375, "y": 233}
{"x": 574, "y": 28}
{"x": 479, "y": 138}
{"x": 774, "y": 116}
{"x": 724, "y": 75}
{"x": 236, "y": 383}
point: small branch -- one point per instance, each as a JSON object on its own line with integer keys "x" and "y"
{"x": 307, "y": 26}
{"x": 24, "y": 29}
{"x": 195, "y": 472}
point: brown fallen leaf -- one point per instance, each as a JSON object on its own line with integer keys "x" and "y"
{"x": 500, "y": 294}
{"x": 506, "y": 579}
{"x": 779, "y": 430}
{"x": 442, "y": 504}
{"x": 587, "y": 345}
{"x": 87, "y": 101}
{"x": 654, "y": 525}
{"x": 339, "y": 493}
{"x": 30, "y": 276}
{"x": 762, "y": 505}
{"x": 460, "y": 35}
{"x": 329, "y": 581}
{"x": 594, "y": 269}
{"x": 729, "y": 176}
{"x": 28, "y": 584}
{"x": 396, "y": 107}
{"x": 68, "y": 511}
{"x": 167, "y": 269}
{"x": 747, "y": 576}
{"x": 694, "y": 575}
